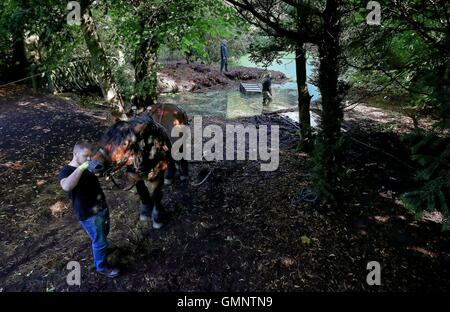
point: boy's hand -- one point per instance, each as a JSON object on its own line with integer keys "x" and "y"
{"x": 84, "y": 166}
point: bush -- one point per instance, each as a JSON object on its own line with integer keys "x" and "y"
{"x": 432, "y": 153}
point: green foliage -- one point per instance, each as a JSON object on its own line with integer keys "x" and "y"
{"x": 46, "y": 20}
{"x": 211, "y": 21}
{"x": 142, "y": 30}
{"x": 266, "y": 50}
{"x": 432, "y": 153}
{"x": 404, "y": 57}
{"x": 238, "y": 39}
{"x": 193, "y": 28}
{"x": 409, "y": 56}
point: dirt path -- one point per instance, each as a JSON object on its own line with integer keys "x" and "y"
{"x": 242, "y": 230}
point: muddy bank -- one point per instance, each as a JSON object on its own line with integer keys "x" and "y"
{"x": 182, "y": 77}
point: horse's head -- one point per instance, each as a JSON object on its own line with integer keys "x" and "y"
{"x": 118, "y": 147}
{"x": 169, "y": 116}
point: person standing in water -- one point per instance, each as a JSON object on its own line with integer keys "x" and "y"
{"x": 267, "y": 89}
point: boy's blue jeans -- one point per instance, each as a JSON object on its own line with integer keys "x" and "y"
{"x": 97, "y": 227}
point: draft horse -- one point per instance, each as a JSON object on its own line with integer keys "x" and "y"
{"x": 142, "y": 146}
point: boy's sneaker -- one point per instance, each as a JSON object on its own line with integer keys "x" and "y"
{"x": 157, "y": 225}
{"x": 109, "y": 272}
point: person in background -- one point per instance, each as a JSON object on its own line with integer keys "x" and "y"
{"x": 267, "y": 89}
{"x": 223, "y": 56}
{"x": 88, "y": 202}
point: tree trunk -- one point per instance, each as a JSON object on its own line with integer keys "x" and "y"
{"x": 304, "y": 99}
{"x": 99, "y": 61}
{"x": 328, "y": 149}
{"x": 145, "y": 67}
{"x": 20, "y": 63}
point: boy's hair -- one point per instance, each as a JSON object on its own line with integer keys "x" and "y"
{"x": 82, "y": 145}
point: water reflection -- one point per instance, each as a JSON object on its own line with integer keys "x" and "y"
{"x": 231, "y": 104}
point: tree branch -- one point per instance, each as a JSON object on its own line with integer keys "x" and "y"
{"x": 296, "y": 36}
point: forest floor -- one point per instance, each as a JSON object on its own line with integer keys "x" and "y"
{"x": 242, "y": 230}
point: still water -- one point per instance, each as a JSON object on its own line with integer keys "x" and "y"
{"x": 234, "y": 104}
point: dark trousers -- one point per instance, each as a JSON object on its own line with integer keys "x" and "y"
{"x": 224, "y": 63}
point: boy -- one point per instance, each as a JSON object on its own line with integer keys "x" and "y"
{"x": 88, "y": 202}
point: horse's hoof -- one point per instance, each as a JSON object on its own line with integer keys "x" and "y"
{"x": 144, "y": 218}
{"x": 168, "y": 181}
{"x": 157, "y": 225}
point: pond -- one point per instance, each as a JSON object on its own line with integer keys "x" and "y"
{"x": 287, "y": 66}
{"x": 234, "y": 104}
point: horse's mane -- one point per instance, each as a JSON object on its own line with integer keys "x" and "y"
{"x": 117, "y": 133}
{"x": 122, "y": 130}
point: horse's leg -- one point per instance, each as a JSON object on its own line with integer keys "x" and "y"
{"x": 170, "y": 173}
{"x": 157, "y": 194}
{"x": 145, "y": 208}
{"x": 184, "y": 169}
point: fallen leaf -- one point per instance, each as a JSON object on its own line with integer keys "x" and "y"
{"x": 288, "y": 261}
{"x": 57, "y": 209}
{"x": 305, "y": 240}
